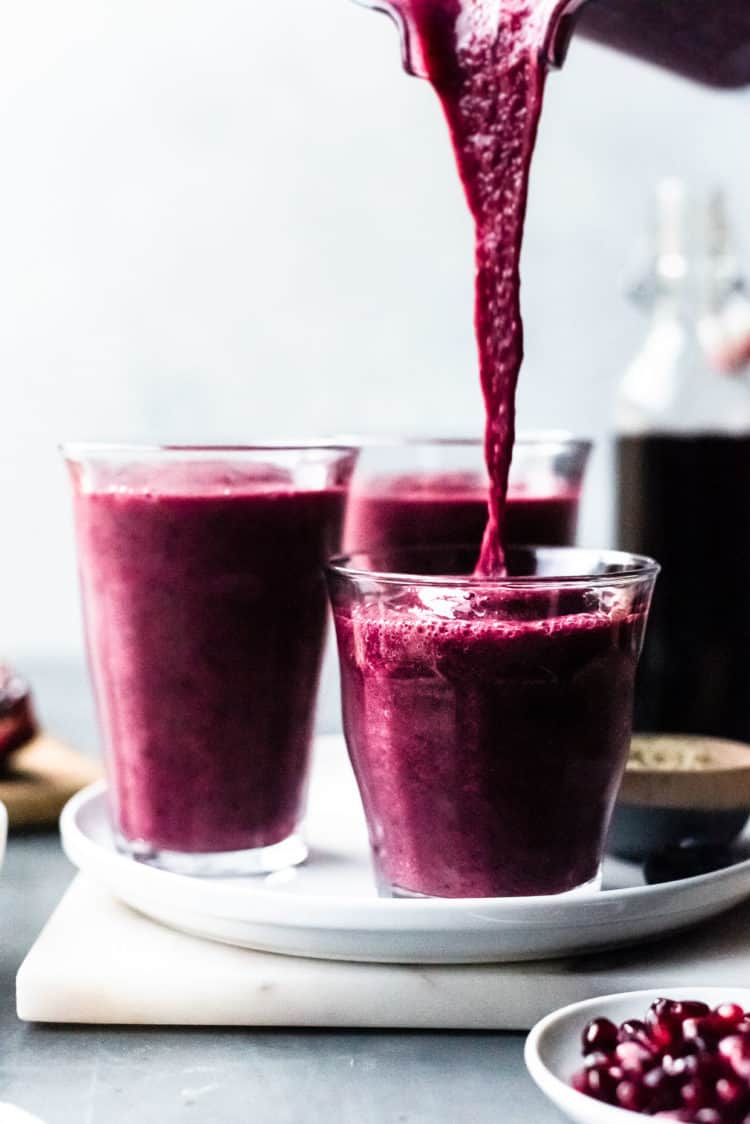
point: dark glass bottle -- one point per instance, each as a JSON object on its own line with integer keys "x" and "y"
{"x": 683, "y": 476}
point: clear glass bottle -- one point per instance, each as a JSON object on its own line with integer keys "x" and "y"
{"x": 683, "y": 473}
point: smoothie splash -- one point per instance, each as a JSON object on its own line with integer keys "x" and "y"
{"x": 486, "y": 62}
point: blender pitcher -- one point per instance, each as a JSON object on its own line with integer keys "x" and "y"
{"x": 705, "y": 40}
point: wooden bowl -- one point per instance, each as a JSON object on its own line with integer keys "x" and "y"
{"x": 679, "y": 787}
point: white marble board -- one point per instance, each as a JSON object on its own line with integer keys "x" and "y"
{"x": 97, "y": 961}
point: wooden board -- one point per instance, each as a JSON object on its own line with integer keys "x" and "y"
{"x": 40, "y": 778}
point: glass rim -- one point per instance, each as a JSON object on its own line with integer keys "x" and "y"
{"x": 82, "y": 450}
{"x": 635, "y": 567}
{"x": 554, "y": 438}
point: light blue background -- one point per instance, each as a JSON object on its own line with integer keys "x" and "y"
{"x": 230, "y": 221}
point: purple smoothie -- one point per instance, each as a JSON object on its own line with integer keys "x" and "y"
{"x": 436, "y": 508}
{"x": 205, "y": 610}
{"x": 488, "y": 732}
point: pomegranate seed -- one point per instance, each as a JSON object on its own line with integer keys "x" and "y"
{"x": 684, "y": 1065}
{"x": 735, "y": 1048}
{"x": 580, "y": 1081}
{"x": 602, "y": 1085}
{"x": 710, "y": 1068}
{"x": 730, "y": 1013}
{"x": 730, "y": 1091}
{"x": 659, "y": 1088}
{"x": 597, "y": 1083}
{"x": 598, "y": 1058}
{"x": 633, "y": 1057}
{"x": 708, "y": 1116}
{"x": 599, "y": 1034}
{"x": 714, "y": 1027}
{"x": 699, "y": 1030}
{"x": 689, "y": 1009}
{"x": 695, "y": 1094}
{"x": 631, "y": 1095}
{"x": 635, "y": 1030}
{"x": 662, "y": 1023}
{"x": 656, "y": 1079}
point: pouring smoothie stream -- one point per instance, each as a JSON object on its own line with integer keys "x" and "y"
{"x": 485, "y": 61}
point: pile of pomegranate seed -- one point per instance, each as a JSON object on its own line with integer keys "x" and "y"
{"x": 684, "y": 1061}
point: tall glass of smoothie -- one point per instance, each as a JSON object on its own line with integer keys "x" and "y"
{"x": 408, "y": 491}
{"x": 488, "y": 721}
{"x": 204, "y": 601}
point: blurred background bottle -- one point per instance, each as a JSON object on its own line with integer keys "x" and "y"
{"x": 683, "y": 471}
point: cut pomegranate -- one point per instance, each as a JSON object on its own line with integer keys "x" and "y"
{"x": 682, "y": 1061}
{"x": 17, "y": 721}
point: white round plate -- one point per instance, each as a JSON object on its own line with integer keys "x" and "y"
{"x": 553, "y": 1047}
{"x": 329, "y": 908}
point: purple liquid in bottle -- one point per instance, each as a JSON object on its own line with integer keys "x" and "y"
{"x": 695, "y": 672}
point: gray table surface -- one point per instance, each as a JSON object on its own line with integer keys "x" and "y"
{"x": 81, "y": 1075}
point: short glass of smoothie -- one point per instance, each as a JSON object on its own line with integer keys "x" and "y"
{"x": 488, "y": 721}
{"x": 204, "y": 600}
{"x": 428, "y": 491}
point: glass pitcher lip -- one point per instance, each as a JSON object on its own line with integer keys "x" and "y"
{"x": 633, "y": 567}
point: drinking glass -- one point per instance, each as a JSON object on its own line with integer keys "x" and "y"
{"x": 488, "y": 721}
{"x": 201, "y": 573}
{"x": 408, "y": 491}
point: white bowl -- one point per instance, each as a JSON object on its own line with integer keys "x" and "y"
{"x": 553, "y": 1047}
{"x": 3, "y": 830}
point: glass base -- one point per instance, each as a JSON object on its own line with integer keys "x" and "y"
{"x": 219, "y": 864}
{"x": 593, "y": 886}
